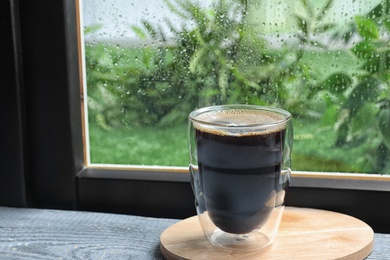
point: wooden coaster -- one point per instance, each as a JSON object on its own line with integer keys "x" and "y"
{"x": 303, "y": 234}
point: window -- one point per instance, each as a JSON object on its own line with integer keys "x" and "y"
{"x": 148, "y": 64}
{"x": 46, "y": 84}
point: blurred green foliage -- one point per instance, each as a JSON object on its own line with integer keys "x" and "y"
{"x": 222, "y": 59}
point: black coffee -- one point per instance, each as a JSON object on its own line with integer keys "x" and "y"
{"x": 239, "y": 172}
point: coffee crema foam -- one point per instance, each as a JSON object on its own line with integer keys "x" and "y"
{"x": 234, "y": 120}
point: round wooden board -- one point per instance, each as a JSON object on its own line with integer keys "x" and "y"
{"x": 303, "y": 234}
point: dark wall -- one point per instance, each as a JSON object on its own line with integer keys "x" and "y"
{"x": 12, "y": 126}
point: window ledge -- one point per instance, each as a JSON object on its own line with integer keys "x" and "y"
{"x": 350, "y": 181}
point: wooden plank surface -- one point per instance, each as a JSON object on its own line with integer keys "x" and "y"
{"x": 303, "y": 234}
{"x": 56, "y": 234}
{"x": 53, "y": 234}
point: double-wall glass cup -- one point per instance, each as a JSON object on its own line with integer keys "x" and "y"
{"x": 240, "y": 170}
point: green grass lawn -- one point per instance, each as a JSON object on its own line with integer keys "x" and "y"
{"x": 313, "y": 147}
{"x": 314, "y": 150}
{"x": 139, "y": 146}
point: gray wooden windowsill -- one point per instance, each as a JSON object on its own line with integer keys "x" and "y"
{"x": 58, "y": 234}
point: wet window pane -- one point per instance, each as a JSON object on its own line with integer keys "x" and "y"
{"x": 149, "y": 63}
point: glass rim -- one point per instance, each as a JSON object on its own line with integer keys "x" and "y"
{"x": 286, "y": 115}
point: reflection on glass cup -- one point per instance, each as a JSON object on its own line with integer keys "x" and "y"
{"x": 240, "y": 169}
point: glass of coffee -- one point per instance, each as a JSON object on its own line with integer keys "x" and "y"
{"x": 240, "y": 170}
